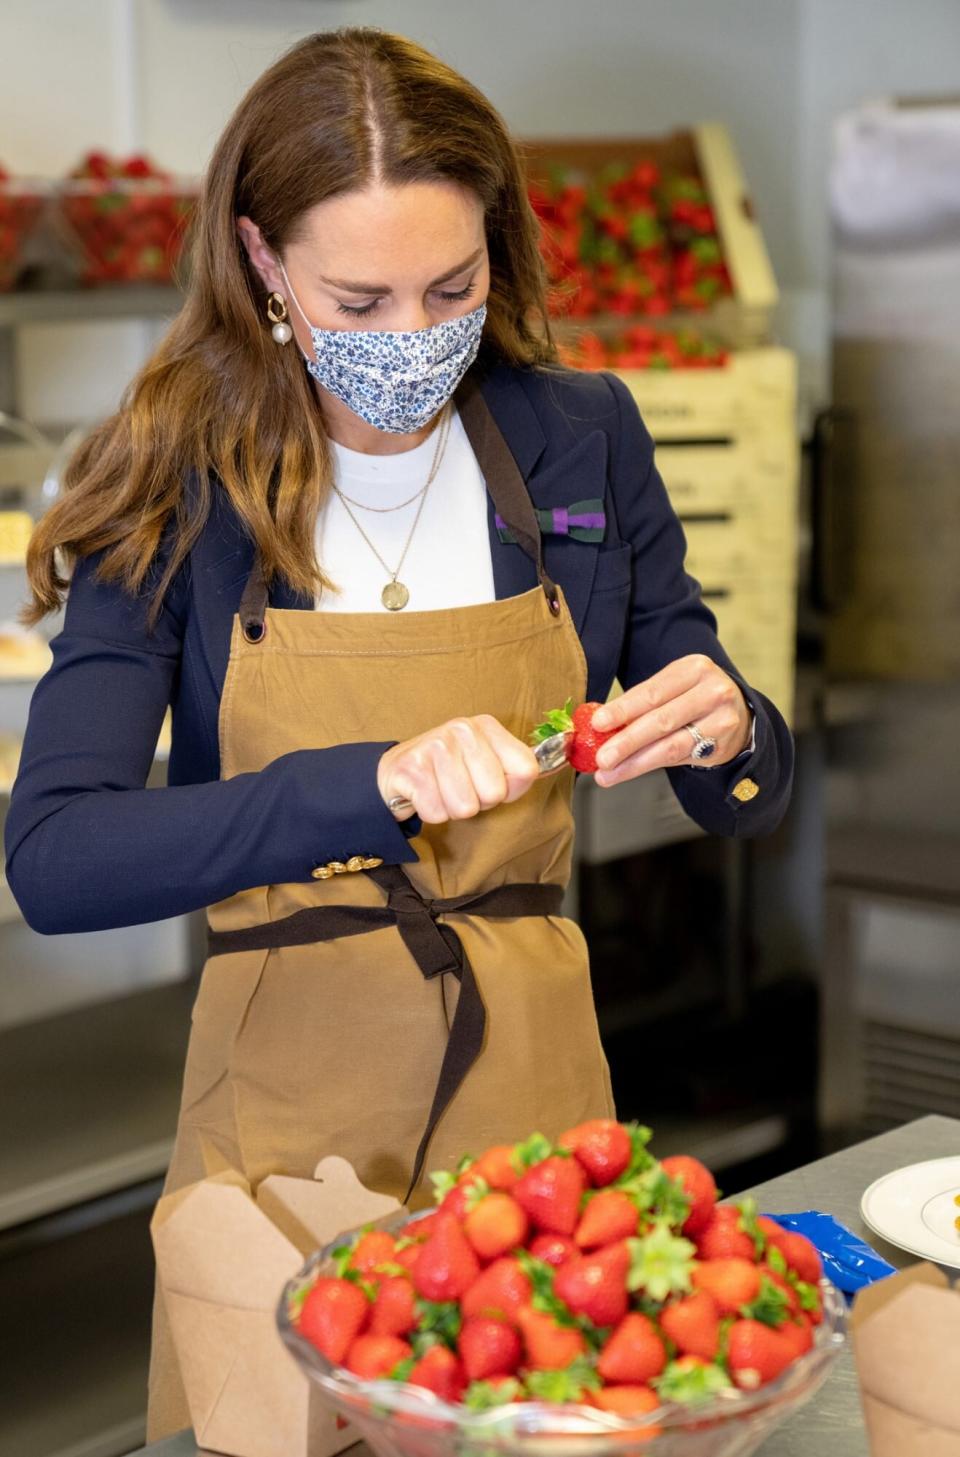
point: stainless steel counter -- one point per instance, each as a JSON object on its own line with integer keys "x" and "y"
{"x": 832, "y": 1423}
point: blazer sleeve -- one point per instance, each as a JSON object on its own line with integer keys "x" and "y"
{"x": 90, "y": 847}
{"x": 668, "y": 620}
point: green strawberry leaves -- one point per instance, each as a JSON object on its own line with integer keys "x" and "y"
{"x": 690, "y": 1385}
{"x": 565, "y": 1385}
{"x": 532, "y": 1151}
{"x": 660, "y": 1262}
{"x": 402, "y": 1369}
{"x": 478, "y": 1190}
{"x": 777, "y": 1262}
{"x": 555, "y": 721}
{"x": 484, "y": 1395}
{"x": 439, "y": 1324}
{"x": 770, "y": 1306}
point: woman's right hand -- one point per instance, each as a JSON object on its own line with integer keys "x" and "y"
{"x": 454, "y": 771}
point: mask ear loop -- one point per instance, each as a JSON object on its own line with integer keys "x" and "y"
{"x": 294, "y": 296}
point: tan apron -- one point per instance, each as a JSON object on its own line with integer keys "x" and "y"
{"x": 361, "y": 1014}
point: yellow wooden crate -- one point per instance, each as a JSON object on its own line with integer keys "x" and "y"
{"x": 752, "y": 476}
{"x": 754, "y": 393}
{"x": 707, "y": 150}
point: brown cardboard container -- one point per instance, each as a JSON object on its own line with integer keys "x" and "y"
{"x": 223, "y": 1257}
{"x": 906, "y": 1341}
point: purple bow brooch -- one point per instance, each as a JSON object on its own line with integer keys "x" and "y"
{"x": 583, "y": 521}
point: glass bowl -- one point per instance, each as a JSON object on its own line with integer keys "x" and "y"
{"x": 399, "y": 1420}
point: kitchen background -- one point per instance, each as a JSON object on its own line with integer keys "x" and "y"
{"x": 760, "y": 1002}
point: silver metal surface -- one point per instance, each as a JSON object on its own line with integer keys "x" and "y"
{"x": 550, "y": 754}
{"x": 832, "y": 1423}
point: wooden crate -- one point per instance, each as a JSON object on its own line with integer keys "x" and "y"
{"x": 754, "y": 393}
{"x": 708, "y": 150}
{"x": 752, "y": 475}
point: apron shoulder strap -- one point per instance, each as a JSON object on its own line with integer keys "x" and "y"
{"x": 254, "y": 602}
{"x": 504, "y": 481}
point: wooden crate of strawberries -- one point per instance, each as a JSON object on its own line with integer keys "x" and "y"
{"x": 657, "y": 227}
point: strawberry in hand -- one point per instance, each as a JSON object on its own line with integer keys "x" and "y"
{"x": 582, "y": 748}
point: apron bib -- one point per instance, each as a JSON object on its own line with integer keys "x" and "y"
{"x": 395, "y": 1015}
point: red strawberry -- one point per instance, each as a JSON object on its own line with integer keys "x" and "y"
{"x": 410, "y": 1255}
{"x": 550, "y": 1192}
{"x": 731, "y": 1282}
{"x": 800, "y": 1254}
{"x": 693, "y": 1324}
{"x": 376, "y": 1247}
{"x": 447, "y": 1265}
{"x": 499, "y": 1292}
{"x": 456, "y": 1201}
{"x": 496, "y": 1224}
{"x": 609, "y": 1216}
{"x": 602, "y": 1146}
{"x": 495, "y": 1166}
{"x": 333, "y": 1315}
{"x": 635, "y": 1352}
{"x": 373, "y": 1356}
{"x": 699, "y": 1187}
{"x": 395, "y": 1308}
{"x": 440, "y": 1371}
{"x": 798, "y": 1336}
{"x": 488, "y": 1348}
{"x": 628, "y": 1401}
{"x": 553, "y": 1249}
{"x": 756, "y": 1353}
{"x": 596, "y": 1285}
{"x": 721, "y": 1238}
{"x": 582, "y": 748}
{"x": 423, "y": 1228}
{"x": 549, "y": 1346}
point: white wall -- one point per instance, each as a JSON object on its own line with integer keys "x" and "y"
{"x": 165, "y": 74}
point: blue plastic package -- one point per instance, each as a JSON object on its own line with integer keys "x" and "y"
{"x": 847, "y": 1260}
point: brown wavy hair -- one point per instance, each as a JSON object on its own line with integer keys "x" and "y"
{"x": 218, "y": 404}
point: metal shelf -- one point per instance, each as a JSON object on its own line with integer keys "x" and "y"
{"x": 90, "y": 1099}
{"x": 113, "y": 301}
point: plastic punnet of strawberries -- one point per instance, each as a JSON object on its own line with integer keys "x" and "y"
{"x": 586, "y": 1272}
{"x": 21, "y": 203}
{"x": 130, "y": 217}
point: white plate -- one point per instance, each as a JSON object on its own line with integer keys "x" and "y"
{"x": 915, "y": 1209}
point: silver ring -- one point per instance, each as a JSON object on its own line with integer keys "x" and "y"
{"x": 703, "y": 745}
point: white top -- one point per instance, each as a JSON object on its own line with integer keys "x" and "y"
{"x": 448, "y": 563}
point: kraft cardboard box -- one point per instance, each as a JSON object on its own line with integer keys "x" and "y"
{"x": 223, "y": 1256}
{"x": 906, "y": 1341}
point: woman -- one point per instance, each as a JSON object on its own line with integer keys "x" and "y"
{"x": 359, "y": 409}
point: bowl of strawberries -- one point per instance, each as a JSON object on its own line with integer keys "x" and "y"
{"x": 128, "y": 216}
{"x": 578, "y": 1297}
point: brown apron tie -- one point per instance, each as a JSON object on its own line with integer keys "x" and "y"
{"x": 504, "y": 483}
{"x": 435, "y": 948}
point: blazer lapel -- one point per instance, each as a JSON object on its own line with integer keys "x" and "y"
{"x": 577, "y": 475}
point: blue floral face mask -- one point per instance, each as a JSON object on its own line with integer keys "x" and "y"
{"x": 394, "y": 380}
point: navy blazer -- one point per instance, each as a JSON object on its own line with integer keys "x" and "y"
{"x": 89, "y": 847}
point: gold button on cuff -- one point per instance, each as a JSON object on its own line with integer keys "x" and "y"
{"x": 370, "y": 862}
{"x": 321, "y": 872}
{"x": 355, "y": 862}
{"x": 745, "y": 790}
{"x": 337, "y": 866}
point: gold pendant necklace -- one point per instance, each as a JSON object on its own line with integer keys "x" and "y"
{"x": 395, "y": 594}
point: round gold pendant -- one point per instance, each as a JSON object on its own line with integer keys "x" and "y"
{"x": 394, "y": 596}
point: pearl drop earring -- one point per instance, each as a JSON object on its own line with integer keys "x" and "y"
{"x": 277, "y": 314}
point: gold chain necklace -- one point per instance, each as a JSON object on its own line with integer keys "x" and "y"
{"x": 395, "y": 595}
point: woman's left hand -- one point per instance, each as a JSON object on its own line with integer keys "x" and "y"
{"x": 651, "y": 716}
